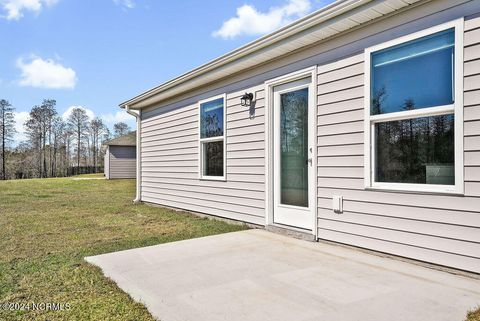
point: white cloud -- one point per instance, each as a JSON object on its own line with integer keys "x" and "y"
{"x": 40, "y": 73}
{"x": 66, "y": 114}
{"x": 109, "y": 119}
{"x": 14, "y": 8}
{"x": 129, "y": 4}
{"x": 249, "y": 21}
{"x": 20, "y": 119}
{"x": 119, "y": 116}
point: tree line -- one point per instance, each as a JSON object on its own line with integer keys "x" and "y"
{"x": 53, "y": 145}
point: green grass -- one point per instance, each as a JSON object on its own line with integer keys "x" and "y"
{"x": 96, "y": 175}
{"x": 48, "y": 226}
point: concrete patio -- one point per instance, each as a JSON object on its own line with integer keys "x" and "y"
{"x": 258, "y": 275}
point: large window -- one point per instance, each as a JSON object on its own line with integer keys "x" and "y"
{"x": 414, "y": 118}
{"x": 212, "y": 138}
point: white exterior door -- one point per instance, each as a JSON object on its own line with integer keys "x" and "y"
{"x": 293, "y": 143}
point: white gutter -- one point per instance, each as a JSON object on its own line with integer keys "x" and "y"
{"x": 138, "y": 194}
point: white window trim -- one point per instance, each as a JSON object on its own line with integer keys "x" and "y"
{"x": 212, "y": 139}
{"x": 456, "y": 109}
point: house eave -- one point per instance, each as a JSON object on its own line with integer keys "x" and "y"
{"x": 320, "y": 25}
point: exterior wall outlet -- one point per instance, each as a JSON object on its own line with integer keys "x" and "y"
{"x": 338, "y": 204}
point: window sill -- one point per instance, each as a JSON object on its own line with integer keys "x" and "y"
{"x": 412, "y": 190}
{"x": 213, "y": 178}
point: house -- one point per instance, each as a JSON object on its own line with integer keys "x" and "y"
{"x": 120, "y": 157}
{"x": 357, "y": 124}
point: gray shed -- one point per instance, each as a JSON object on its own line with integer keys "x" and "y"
{"x": 120, "y": 157}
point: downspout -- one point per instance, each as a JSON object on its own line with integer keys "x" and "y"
{"x": 138, "y": 196}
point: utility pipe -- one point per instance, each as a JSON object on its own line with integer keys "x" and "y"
{"x": 138, "y": 196}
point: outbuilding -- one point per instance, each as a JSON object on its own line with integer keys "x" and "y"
{"x": 120, "y": 157}
{"x": 357, "y": 124}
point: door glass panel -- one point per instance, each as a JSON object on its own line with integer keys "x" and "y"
{"x": 294, "y": 148}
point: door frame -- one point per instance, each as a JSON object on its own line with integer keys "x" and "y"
{"x": 269, "y": 142}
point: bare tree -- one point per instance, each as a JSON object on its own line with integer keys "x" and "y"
{"x": 7, "y": 130}
{"x": 97, "y": 128}
{"x": 35, "y": 134}
{"x": 53, "y": 145}
{"x": 38, "y": 126}
{"x": 87, "y": 151}
{"x": 49, "y": 113}
{"x": 58, "y": 129}
{"x": 78, "y": 123}
{"x": 107, "y": 135}
{"x": 121, "y": 129}
{"x": 67, "y": 138}
{"x": 23, "y": 156}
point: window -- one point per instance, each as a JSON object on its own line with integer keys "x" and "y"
{"x": 212, "y": 138}
{"x": 414, "y": 112}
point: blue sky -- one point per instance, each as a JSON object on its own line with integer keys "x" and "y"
{"x": 97, "y": 53}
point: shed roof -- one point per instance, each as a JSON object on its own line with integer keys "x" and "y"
{"x": 126, "y": 140}
{"x": 321, "y": 25}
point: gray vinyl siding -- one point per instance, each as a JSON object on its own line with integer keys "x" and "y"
{"x": 442, "y": 229}
{"x": 170, "y": 161}
{"x": 107, "y": 165}
{"x": 122, "y": 162}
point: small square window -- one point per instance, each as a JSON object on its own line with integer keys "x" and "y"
{"x": 211, "y": 119}
{"x": 213, "y": 158}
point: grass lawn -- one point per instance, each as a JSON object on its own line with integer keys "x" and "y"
{"x": 47, "y": 228}
{"x": 96, "y": 175}
{"x": 474, "y": 315}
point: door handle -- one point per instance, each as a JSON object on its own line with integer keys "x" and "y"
{"x": 309, "y": 161}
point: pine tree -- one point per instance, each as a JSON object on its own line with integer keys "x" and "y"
{"x": 78, "y": 124}
{"x": 121, "y": 129}
{"x": 7, "y": 130}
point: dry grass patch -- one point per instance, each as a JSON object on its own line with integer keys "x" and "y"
{"x": 474, "y": 315}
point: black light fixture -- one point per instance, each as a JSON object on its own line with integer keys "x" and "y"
{"x": 246, "y": 99}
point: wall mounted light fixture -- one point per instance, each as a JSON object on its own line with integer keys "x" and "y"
{"x": 246, "y": 99}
